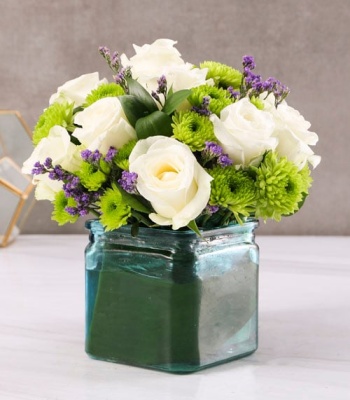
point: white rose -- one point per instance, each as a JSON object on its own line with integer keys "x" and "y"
{"x": 77, "y": 89}
{"x": 104, "y": 124}
{"x": 162, "y": 58}
{"x": 292, "y": 132}
{"x": 170, "y": 177}
{"x": 244, "y": 132}
{"x": 46, "y": 188}
{"x": 58, "y": 147}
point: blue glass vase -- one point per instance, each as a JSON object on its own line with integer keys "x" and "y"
{"x": 170, "y": 300}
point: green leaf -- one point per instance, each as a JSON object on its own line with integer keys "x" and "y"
{"x": 137, "y": 90}
{"x": 193, "y": 226}
{"x": 133, "y": 108}
{"x": 132, "y": 201}
{"x": 157, "y": 123}
{"x": 174, "y": 100}
{"x": 170, "y": 91}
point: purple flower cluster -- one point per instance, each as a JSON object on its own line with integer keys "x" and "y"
{"x": 204, "y": 107}
{"x": 92, "y": 157}
{"x": 112, "y": 60}
{"x": 110, "y": 154}
{"x": 71, "y": 184}
{"x": 128, "y": 182}
{"x": 121, "y": 75}
{"x": 256, "y": 86}
{"x": 211, "y": 209}
{"x": 161, "y": 89}
{"x": 213, "y": 150}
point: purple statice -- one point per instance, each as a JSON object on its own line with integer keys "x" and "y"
{"x": 254, "y": 85}
{"x": 38, "y": 168}
{"x": 248, "y": 62}
{"x": 224, "y": 160}
{"x": 155, "y": 96}
{"x": 57, "y": 173}
{"x": 105, "y": 52}
{"x": 162, "y": 85}
{"x": 121, "y": 76}
{"x": 71, "y": 186}
{"x": 86, "y": 154}
{"x": 214, "y": 151}
{"x": 92, "y": 157}
{"x": 113, "y": 60}
{"x": 203, "y": 109}
{"x": 235, "y": 94}
{"x": 112, "y": 151}
{"x": 211, "y": 209}
{"x": 128, "y": 182}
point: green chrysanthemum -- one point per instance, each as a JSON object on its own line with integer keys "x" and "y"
{"x": 259, "y": 104}
{"x": 91, "y": 177}
{"x": 219, "y": 98}
{"x": 234, "y": 190}
{"x": 280, "y": 186}
{"x": 223, "y": 75}
{"x": 306, "y": 179}
{"x": 115, "y": 212}
{"x": 104, "y": 90}
{"x": 193, "y": 129}
{"x": 56, "y": 114}
{"x": 59, "y": 214}
{"x": 122, "y": 157}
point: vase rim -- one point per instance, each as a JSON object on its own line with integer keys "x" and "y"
{"x": 251, "y": 223}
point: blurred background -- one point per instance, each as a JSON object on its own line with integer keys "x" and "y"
{"x": 303, "y": 43}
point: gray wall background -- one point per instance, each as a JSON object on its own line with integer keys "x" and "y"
{"x": 304, "y": 43}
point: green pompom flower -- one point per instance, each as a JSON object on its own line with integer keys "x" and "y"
{"x": 59, "y": 214}
{"x": 223, "y": 75}
{"x": 122, "y": 157}
{"x": 259, "y": 104}
{"x": 56, "y": 114}
{"x": 115, "y": 212}
{"x": 193, "y": 129}
{"x": 103, "y": 90}
{"x": 91, "y": 177}
{"x": 233, "y": 189}
{"x": 218, "y": 98}
{"x": 280, "y": 186}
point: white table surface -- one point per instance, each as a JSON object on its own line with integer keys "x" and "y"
{"x": 304, "y": 323}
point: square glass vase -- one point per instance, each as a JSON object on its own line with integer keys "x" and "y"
{"x": 171, "y": 300}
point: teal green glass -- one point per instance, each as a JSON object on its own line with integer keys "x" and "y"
{"x": 170, "y": 300}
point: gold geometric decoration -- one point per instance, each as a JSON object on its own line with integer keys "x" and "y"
{"x": 16, "y": 189}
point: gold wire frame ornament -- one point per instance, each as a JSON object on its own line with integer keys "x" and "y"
{"x": 15, "y": 187}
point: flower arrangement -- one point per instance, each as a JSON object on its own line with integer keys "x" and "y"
{"x": 171, "y": 144}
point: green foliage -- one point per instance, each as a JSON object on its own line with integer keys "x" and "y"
{"x": 157, "y": 123}
{"x": 173, "y": 101}
{"x": 122, "y": 157}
